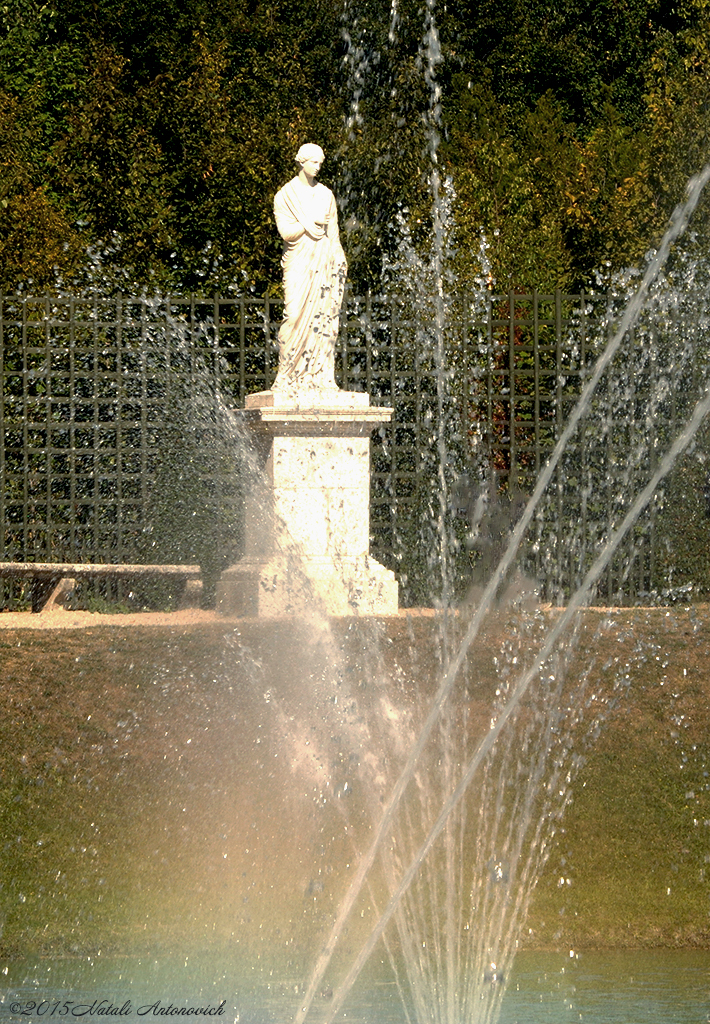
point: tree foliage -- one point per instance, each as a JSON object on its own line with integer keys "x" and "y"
{"x": 142, "y": 143}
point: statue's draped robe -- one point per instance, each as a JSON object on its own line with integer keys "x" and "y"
{"x": 314, "y": 279}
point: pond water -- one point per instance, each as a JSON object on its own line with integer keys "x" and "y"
{"x": 651, "y": 987}
{"x": 621, "y": 987}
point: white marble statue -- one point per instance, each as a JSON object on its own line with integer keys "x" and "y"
{"x": 314, "y": 269}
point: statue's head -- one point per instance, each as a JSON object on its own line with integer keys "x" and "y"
{"x": 309, "y": 151}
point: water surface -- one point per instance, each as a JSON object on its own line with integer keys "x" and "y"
{"x": 650, "y": 987}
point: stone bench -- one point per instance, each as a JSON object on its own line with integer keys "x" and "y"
{"x": 47, "y": 577}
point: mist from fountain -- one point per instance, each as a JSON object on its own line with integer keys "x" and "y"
{"x": 459, "y": 909}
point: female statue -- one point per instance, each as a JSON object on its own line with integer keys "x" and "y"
{"x": 314, "y": 269}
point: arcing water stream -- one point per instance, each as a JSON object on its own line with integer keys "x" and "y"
{"x": 486, "y": 1011}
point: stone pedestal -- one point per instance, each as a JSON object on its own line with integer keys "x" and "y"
{"x": 307, "y": 537}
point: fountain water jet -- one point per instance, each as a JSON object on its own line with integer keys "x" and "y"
{"x": 677, "y": 226}
{"x": 576, "y": 602}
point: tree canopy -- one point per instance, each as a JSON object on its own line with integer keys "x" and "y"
{"x": 141, "y": 144}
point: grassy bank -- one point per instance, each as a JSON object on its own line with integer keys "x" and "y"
{"x": 157, "y": 790}
{"x": 636, "y": 842}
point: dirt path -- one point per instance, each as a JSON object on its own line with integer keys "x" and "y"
{"x": 60, "y": 619}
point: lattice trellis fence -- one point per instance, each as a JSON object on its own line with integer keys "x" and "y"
{"x": 97, "y": 395}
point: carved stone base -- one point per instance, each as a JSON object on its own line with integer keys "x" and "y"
{"x": 285, "y": 586}
{"x": 307, "y": 535}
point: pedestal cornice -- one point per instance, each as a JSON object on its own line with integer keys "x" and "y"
{"x": 314, "y": 414}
